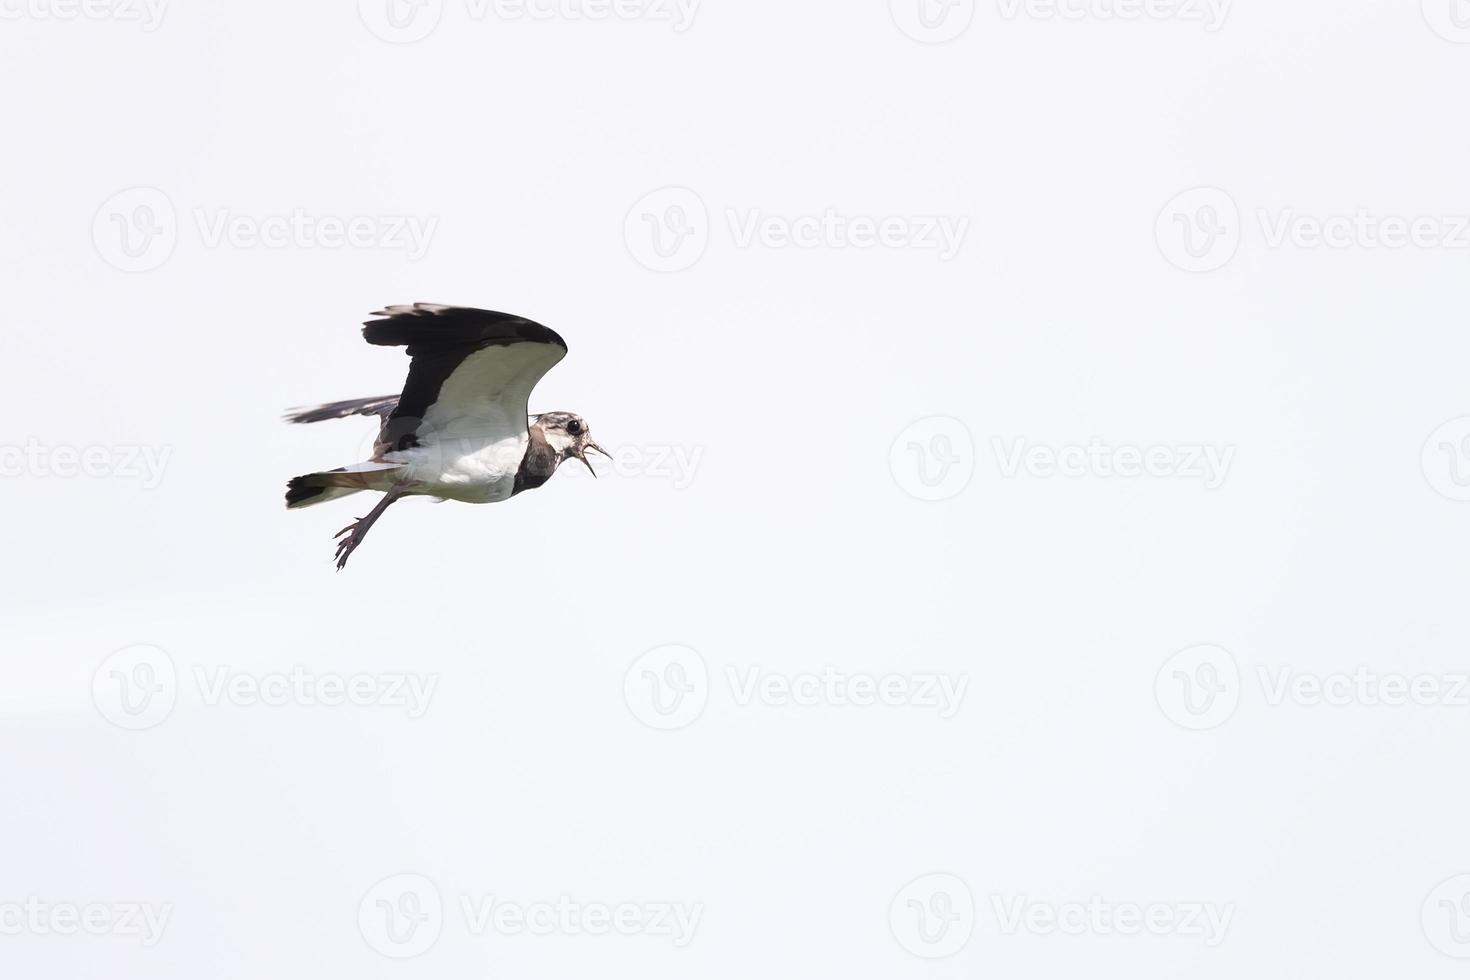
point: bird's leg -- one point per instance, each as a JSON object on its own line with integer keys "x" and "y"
{"x": 358, "y": 529}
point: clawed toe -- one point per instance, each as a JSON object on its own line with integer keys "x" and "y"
{"x": 351, "y": 536}
{"x": 347, "y": 545}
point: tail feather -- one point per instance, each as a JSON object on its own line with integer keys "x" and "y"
{"x": 304, "y": 491}
{"x": 316, "y": 488}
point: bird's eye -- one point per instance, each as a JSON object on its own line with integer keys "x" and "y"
{"x": 574, "y": 427}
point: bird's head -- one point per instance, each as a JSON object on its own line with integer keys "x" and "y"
{"x": 568, "y": 436}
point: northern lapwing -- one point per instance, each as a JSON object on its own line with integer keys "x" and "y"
{"x": 460, "y": 429}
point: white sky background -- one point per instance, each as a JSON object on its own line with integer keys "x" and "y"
{"x": 788, "y": 373}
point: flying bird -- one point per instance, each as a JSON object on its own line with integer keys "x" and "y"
{"x": 460, "y": 429}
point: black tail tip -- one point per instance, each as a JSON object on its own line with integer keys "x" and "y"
{"x": 299, "y": 491}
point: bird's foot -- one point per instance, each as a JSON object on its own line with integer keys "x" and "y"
{"x": 358, "y": 529}
{"x": 355, "y": 532}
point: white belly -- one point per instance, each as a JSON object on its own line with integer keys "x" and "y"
{"x": 465, "y": 468}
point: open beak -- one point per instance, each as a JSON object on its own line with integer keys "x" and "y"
{"x": 588, "y": 463}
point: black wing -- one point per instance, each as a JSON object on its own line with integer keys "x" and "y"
{"x": 470, "y": 367}
{"x": 382, "y": 406}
